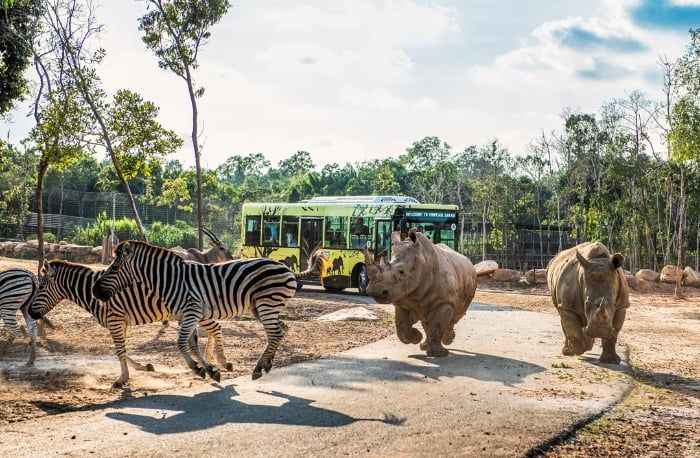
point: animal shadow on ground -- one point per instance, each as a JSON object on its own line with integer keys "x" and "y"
{"x": 204, "y": 410}
{"x": 686, "y": 385}
{"x": 347, "y": 372}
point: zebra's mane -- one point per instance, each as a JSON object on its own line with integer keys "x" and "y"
{"x": 71, "y": 265}
{"x": 163, "y": 253}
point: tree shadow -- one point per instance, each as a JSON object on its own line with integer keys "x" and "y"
{"x": 666, "y": 380}
{"x": 214, "y": 408}
{"x": 346, "y": 372}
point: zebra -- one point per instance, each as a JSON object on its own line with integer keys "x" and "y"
{"x": 17, "y": 287}
{"x": 132, "y": 306}
{"x": 194, "y": 292}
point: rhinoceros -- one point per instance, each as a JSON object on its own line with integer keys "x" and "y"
{"x": 590, "y": 292}
{"x": 429, "y": 283}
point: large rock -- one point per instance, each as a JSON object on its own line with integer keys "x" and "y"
{"x": 507, "y": 275}
{"x": 485, "y": 268}
{"x": 534, "y": 276}
{"x": 350, "y": 314}
{"x": 692, "y": 277}
{"x": 631, "y": 280}
{"x": 647, "y": 275}
{"x": 669, "y": 274}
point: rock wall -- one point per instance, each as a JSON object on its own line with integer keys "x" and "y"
{"x": 82, "y": 254}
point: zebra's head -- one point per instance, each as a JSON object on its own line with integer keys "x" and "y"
{"x": 118, "y": 276}
{"x": 48, "y": 294}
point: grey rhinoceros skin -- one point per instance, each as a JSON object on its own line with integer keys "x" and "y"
{"x": 589, "y": 290}
{"x": 429, "y": 283}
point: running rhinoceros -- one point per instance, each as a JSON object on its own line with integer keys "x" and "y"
{"x": 428, "y": 283}
{"x": 590, "y": 292}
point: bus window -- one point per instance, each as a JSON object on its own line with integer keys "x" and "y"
{"x": 383, "y": 245}
{"x": 252, "y": 230}
{"x": 271, "y": 230}
{"x": 290, "y": 231}
{"x": 361, "y": 233}
{"x": 336, "y": 230}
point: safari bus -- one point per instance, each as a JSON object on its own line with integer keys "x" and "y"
{"x": 342, "y": 227}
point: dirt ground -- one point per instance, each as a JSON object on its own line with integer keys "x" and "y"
{"x": 660, "y": 416}
{"x": 76, "y": 364}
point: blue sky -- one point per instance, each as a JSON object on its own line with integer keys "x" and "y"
{"x": 361, "y": 79}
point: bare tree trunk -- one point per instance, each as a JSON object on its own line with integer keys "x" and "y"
{"x": 197, "y": 159}
{"x": 483, "y": 234}
{"x": 38, "y": 197}
{"x": 681, "y": 244}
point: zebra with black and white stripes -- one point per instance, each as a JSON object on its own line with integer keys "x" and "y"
{"x": 195, "y": 292}
{"x": 17, "y": 287}
{"x": 132, "y": 306}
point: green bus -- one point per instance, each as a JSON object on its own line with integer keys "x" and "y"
{"x": 342, "y": 227}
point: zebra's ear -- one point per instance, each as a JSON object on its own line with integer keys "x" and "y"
{"x": 125, "y": 250}
{"x": 46, "y": 269}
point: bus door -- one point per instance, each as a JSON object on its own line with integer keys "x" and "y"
{"x": 382, "y": 232}
{"x": 311, "y": 238}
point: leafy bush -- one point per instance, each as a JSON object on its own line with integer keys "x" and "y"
{"x": 124, "y": 229}
{"x": 49, "y": 237}
{"x": 168, "y": 236}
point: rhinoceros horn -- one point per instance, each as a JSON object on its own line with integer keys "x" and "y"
{"x": 585, "y": 263}
{"x": 368, "y": 258}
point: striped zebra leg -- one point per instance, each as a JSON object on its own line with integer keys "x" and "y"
{"x": 215, "y": 343}
{"x": 188, "y": 325}
{"x": 11, "y": 327}
{"x": 117, "y": 328}
{"x": 32, "y": 332}
{"x": 275, "y": 329}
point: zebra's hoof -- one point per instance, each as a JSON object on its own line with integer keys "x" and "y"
{"x": 267, "y": 366}
{"x": 216, "y": 376}
{"x": 229, "y": 367}
{"x": 200, "y": 371}
{"x": 30, "y": 364}
{"x": 150, "y": 368}
{"x": 117, "y": 385}
{"x": 257, "y": 374}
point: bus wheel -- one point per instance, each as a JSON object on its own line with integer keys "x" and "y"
{"x": 362, "y": 281}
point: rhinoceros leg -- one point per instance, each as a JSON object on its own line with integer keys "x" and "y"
{"x": 404, "y": 326}
{"x": 438, "y": 322}
{"x": 576, "y": 343}
{"x": 609, "y": 355}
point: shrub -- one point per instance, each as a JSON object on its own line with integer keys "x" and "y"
{"x": 168, "y": 236}
{"x": 49, "y": 237}
{"x": 124, "y": 229}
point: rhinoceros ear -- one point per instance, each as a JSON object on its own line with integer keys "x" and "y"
{"x": 412, "y": 234}
{"x": 395, "y": 237}
{"x": 617, "y": 261}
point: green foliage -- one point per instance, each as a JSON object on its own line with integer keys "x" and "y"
{"x": 124, "y": 229}
{"x": 174, "y": 31}
{"x": 17, "y": 19}
{"x": 168, "y": 236}
{"x": 685, "y": 135}
{"x": 49, "y": 237}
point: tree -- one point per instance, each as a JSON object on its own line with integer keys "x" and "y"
{"x": 685, "y": 147}
{"x": 175, "y": 31}
{"x": 299, "y": 163}
{"x": 18, "y": 19}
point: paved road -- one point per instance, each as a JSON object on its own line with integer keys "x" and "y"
{"x": 498, "y": 393}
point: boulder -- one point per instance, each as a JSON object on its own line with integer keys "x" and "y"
{"x": 647, "y": 275}
{"x": 485, "y": 268}
{"x": 669, "y": 274}
{"x": 507, "y": 275}
{"x": 692, "y": 277}
{"x": 17, "y": 249}
{"x": 534, "y": 276}
{"x": 350, "y": 314}
{"x": 631, "y": 280}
